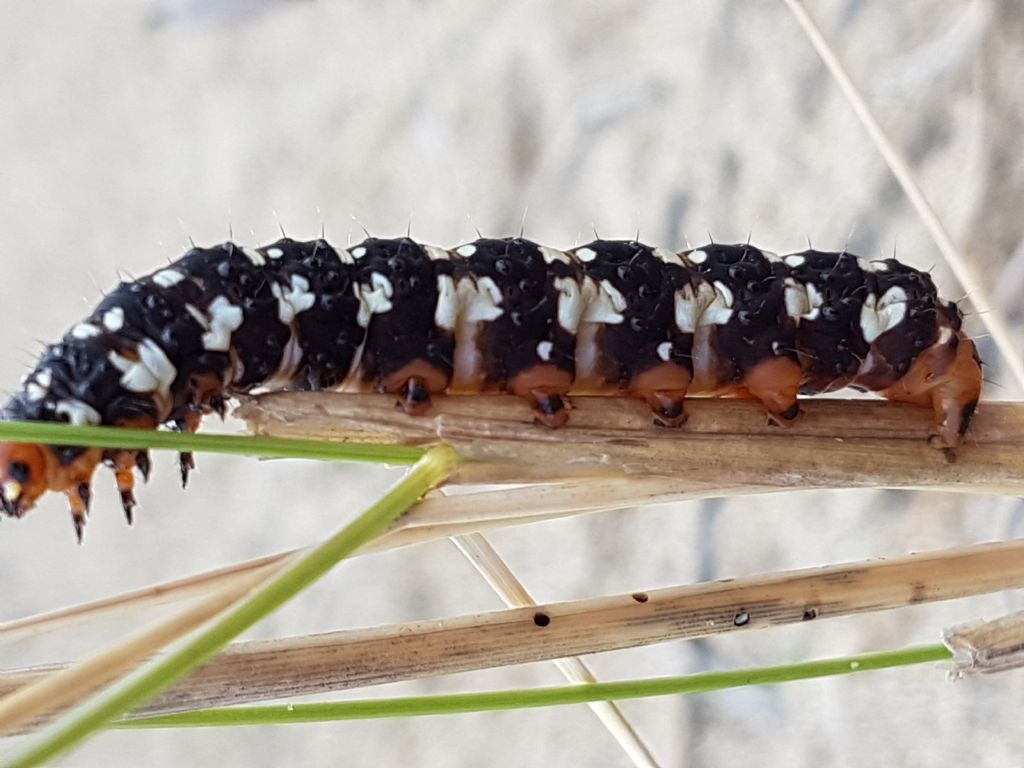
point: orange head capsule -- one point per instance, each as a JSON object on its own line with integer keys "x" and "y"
{"x": 24, "y": 473}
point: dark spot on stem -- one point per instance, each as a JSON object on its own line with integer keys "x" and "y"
{"x": 810, "y": 613}
{"x": 741, "y": 619}
{"x": 541, "y": 619}
{"x": 640, "y": 597}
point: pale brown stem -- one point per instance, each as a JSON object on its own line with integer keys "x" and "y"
{"x": 256, "y": 671}
{"x": 724, "y": 446}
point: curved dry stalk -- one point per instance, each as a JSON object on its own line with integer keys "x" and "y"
{"x": 256, "y": 671}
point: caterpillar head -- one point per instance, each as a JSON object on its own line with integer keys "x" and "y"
{"x": 28, "y": 471}
{"x": 24, "y": 473}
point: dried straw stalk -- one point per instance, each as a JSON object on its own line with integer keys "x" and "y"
{"x": 726, "y": 447}
{"x": 256, "y": 671}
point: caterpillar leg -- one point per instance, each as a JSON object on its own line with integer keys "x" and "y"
{"x": 189, "y": 423}
{"x": 544, "y": 387}
{"x": 415, "y": 383}
{"x": 207, "y": 397}
{"x": 208, "y": 394}
{"x": 664, "y": 388}
{"x": 123, "y": 462}
{"x": 946, "y": 376}
{"x": 776, "y": 383}
{"x": 79, "y": 499}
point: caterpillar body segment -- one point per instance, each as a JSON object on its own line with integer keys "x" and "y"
{"x": 494, "y": 315}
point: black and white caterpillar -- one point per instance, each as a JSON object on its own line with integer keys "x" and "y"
{"x": 392, "y": 315}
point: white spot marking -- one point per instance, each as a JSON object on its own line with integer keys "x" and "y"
{"x": 585, "y": 254}
{"x": 225, "y": 319}
{"x": 34, "y": 392}
{"x": 665, "y": 350}
{"x": 814, "y": 302}
{"x": 697, "y": 257}
{"x": 381, "y": 283}
{"x": 725, "y": 292}
{"x": 869, "y": 265}
{"x": 113, "y": 319}
{"x": 154, "y": 358}
{"x": 152, "y": 372}
{"x": 795, "y": 296}
{"x": 254, "y": 256}
{"x": 688, "y": 307}
{"x": 45, "y": 377}
{"x": 606, "y": 304}
{"x": 288, "y": 367}
{"x": 618, "y": 300}
{"x": 437, "y": 254}
{"x": 375, "y": 298}
{"x": 945, "y": 335}
{"x": 775, "y": 348}
{"x": 544, "y": 350}
{"x": 551, "y": 255}
{"x": 363, "y": 314}
{"x": 358, "y": 252}
{"x": 719, "y": 311}
{"x": 275, "y": 253}
{"x": 166, "y": 278}
{"x": 795, "y": 260}
{"x": 668, "y": 257}
{"x": 880, "y": 315}
{"x": 481, "y": 300}
{"x": 381, "y": 287}
{"x": 78, "y": 413}
{"x": 447, "y": 310}
{"x": 570, "y": 304}
{"x": 292, "y": 300}
{"x": 466, "y": 250}
{"x": 85, "y": 331}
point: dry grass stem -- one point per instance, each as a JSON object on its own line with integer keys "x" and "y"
{"x": 726, "y": 444}
{"x": 257, "y": 671}
{"x": 437, "y": 517}
{"x": 987, "y": 646}
{"x": 40, "y": 697}
{"x": 167, "y": 593}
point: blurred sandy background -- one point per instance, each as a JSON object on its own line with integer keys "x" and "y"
{"x": 127, "y": 127}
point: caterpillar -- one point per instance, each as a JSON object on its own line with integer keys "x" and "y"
{"x": 414, "y": 320}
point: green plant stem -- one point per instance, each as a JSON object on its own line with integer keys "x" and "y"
{"x": 247, "y": 445}
{"x": 416, "y": 706}
{"x": 161, "y": 672}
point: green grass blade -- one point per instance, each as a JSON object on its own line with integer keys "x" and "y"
{"x": 417, "y": 706}
{"x": 158, "y": 674}
{"x": 247, "y": 445}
